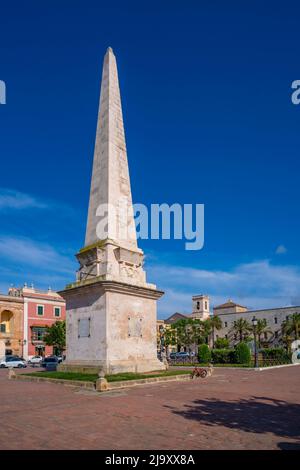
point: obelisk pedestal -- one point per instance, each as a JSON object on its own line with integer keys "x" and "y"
{"x": 110, "y": 308}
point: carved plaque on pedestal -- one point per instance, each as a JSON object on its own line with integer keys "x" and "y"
{"x": 134, "y": 327}
{"x": 84, "y": 328}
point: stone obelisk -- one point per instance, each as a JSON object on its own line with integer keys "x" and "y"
{"x": 111, "y": 309}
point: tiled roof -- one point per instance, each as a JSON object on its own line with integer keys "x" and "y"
{"x": 176, "y": 316}
{"x": 229, "y": 304}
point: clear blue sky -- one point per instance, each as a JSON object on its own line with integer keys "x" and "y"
{"x": 206, "y": 90}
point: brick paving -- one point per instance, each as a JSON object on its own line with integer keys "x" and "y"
{"x": 233, "y": 409}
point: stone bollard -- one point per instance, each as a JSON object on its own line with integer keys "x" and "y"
{"x": 11, "y": 373}
{"x": 101, "y": 383}
{"x": 210, "y": 370}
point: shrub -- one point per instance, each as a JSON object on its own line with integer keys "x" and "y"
{"x": 222, "y": 356}
{"x": 204, "y": 353}
{"x": 242, "y": 354}
{"x": 222, "y": 343}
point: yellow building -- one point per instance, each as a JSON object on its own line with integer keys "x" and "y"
{"x": 11, "y": 325}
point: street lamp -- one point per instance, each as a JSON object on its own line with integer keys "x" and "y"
{"x": 254, "y": 323}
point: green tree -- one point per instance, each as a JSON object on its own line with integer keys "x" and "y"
{"x": 190, "y": 332}
{"x": 56, "y": 336}
{"x": 222, "y": 343}
{"x": 241, "y": 328}
{"x": 170, "y": 338}
{"x": 261, "y": 328}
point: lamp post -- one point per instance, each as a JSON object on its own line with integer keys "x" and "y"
{"x": 254, "y": 323}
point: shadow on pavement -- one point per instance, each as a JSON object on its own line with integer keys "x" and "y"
{"x": 256, "y": 415}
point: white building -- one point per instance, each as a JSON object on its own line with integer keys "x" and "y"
{"x": 229, "y": 312}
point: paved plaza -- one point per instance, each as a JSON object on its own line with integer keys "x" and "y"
{"x": 233, "y": 409}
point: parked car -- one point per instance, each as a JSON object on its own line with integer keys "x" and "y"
{"x": 35, "y": 360}
{"x": 60, "y": 359}
{"x": 182, "y": 355}
{"x": 49, "y": 360}
{"x": 12, "y": 361}
{"x": 172, "y": 355}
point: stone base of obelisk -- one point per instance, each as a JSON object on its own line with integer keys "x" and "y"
{"x": 111, "y": 328}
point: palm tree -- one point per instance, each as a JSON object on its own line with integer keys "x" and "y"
{"x": 261, "y": 328}
{"x": 287, "y": 341}
{"x": 291, "y": 326}
{"x": 216, "y": 324}
{"x": 241, "y": 328}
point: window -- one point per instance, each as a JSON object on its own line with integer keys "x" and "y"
{"x": 205, "y": 305}
{"x": 38, "y": 333}
{"x": 40, "y": 310}
{"x": 225, "y": 323}
{"x": 57, "y": 311}
{"x": 198, "y": 305}
{"x": 226, "y": 336}
{"x": 275, "y": 320}
{"x": 276, "y": 334}
{"x": 2, "y": 328}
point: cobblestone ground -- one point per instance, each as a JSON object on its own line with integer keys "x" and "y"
{"x": 233, "y": 409}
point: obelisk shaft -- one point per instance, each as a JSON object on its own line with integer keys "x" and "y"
{"x": 110, "y": 183}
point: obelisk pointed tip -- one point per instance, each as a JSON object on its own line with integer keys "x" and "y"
{"x": 109, "y": 50}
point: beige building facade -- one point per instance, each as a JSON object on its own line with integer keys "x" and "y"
{"x": 230, "y": 312}
{"x": 11, "y": 325}
{"x": 229, "y": 307}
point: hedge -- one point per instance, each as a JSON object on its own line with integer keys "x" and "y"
{"x": 242, "y": 354}
{"x": 222, "y": 356}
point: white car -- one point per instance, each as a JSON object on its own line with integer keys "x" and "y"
{"x": 35, "y": 360}
{"x": 12, "y": 361}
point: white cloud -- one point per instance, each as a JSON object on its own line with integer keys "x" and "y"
{"x": 256, "y": 285}
{"x": 26, "y": 252}
{"x": 280, "y": 250}
{"x": 10, "y": 199}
